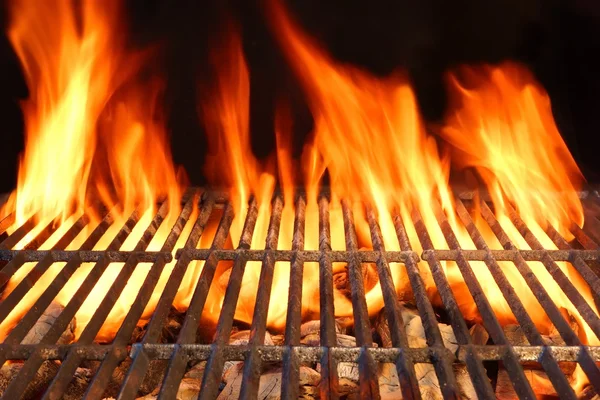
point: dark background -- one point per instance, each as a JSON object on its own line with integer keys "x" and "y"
{"x": 558, "y": 39}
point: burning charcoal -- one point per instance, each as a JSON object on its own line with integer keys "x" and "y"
{"x": 479, "y": 335}
{"x": 242, "y": 338}
{"x": 41, "y": 380}
{"x": 314, "y": 326}
{"x": 539, "y": 381}
{"x": 270, "y": 383}
{"x": 589, "y": 393}
{"x": 516, "y": 337}
{"x": 369, "y": 274}
{"x": 79, "y": 384}
{"x": 348, "y": 388}
{"x": 45, "y": 322}
{"x": 189, "y": 389}
{"x": 426, "y": 376}
{"x": 197, "y": 371}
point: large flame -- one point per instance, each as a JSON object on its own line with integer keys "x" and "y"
{"x": 84, "y": 139}
{"x": 501, "y": 125}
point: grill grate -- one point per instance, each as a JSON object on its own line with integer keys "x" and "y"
{"x": 291, "y": 353}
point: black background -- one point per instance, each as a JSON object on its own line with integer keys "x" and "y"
{"x": 558, "y": 39}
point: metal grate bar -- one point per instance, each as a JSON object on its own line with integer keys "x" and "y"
{"x": 42, "y": 236}
{"x": 328, "y": 387}
{"x": 461, "y": 332}
{"x": 6, "y": 222}
{"x": 580, "y": 265}
{"x": 111, "y": 361}
{"x": 141, "y": 361}
{"x": 559, "y": 276}
{"x": 290, "y": 381}
{"x": 18, "y": 234}
{"x": 29, "y": 320}
{"x": 197, "y": 352}
{"x": 547, "y": 360}
{"x": 443, "y": 357}
{"x": 490, "y": 322}
{"x": 364, "y": 256}
{"x": 31, "y": 366}
{"x": 189, "y": 329}
{"x": 406, "y": 370}
{"x": 563, "y": 327}
{"x": 216, "y": 359}
{"x": 252, "y": 365}
{"x": 13, "y": 299}
{"x": 369, "y": 385}
{"x": 73, "y": 360}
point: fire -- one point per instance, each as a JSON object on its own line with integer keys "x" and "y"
{"x": 93, "y": 132}
{"x": 226, "y": 116}
{"x": 501, "y": 125}
{"x": 504, "y": 129}
{"x": 90, "y": 132}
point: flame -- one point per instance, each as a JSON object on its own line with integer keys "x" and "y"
{"x": 504, "y": 129}
{"x": 372, "y": 141}
{"x": 501, "y": 125}
{"x": 88, "y": 134}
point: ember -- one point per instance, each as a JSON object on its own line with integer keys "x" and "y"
{"x": 117, "y": 281}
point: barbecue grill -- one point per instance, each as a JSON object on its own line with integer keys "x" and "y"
{"x": 583, "y": 253}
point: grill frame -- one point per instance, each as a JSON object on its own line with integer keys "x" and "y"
{"x": 291, "y": 353}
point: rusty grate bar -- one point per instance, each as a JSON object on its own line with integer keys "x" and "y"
{"x": 216, "y": 358}
{"x": 566, "y": 332}
{"x": 290, "y": 382}
{"x": 177, "y": 366}
{"x": 141, "y": 361}
{"x": 291, "y": 354}
{"x": 328, "y": 387}
{"x": 547, "y": 360}
{"x": 73, "y": 360}
{"x": 404, "y": 364}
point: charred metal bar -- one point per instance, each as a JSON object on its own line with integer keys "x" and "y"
{"x": 187, "y": 334}
{"x": 369, "y": 385}
{"x": 566, "y": 332}
{"x": 584, "y": 309}
{"x": 363, "y": 256}
{"x": 547, "y": 360}
{"x": 443, "y": 359}
{"x": 290, "y": 380}
{"x": 18, "y": 234}
{"x": 194, "y": 351}
{"x": 461, "y": 332}
{"x": 73, "y": 360}
{"x": 41, "y": 237}
{"x": 328, "y": 386}
{"x": 404, "y": 365}
{"x": 216, "y": 359}
{"x": 6, "y": 222}
{"x": 19, "y": 332}
{"x": 31, "y": 366}
{"x": 590, "y": 276}
{"x": 111, "y": 361}
{"x": 141, "y": 361}
{"x": 83, "y": 255}
{"x": 513, "y": 254}
{"x": 252, "y": 365}
{"x": 490, "y": 322}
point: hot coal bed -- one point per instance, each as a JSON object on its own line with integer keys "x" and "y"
{"x": 410, "y": 350}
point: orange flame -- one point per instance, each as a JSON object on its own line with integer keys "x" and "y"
{"x": 82, "y": 138}
{"x": 503, "y": 127}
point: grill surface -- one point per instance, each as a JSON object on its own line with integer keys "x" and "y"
{"x": 291, "y": 353}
